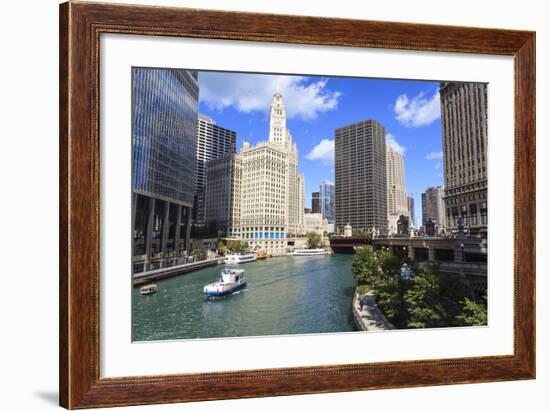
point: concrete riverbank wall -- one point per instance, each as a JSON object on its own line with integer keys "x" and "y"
{"x": 367, "y": 316}
{"x": 142, "y": 278}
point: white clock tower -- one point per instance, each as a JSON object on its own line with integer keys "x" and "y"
{"x": 277, "y": 121}
{"x": 271, "y": 191}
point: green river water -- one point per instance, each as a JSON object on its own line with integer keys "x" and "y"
{"x": 284, "y": 295}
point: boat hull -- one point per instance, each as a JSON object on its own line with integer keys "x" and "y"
{"x": 226, "y": 292}
{"x": 308, "y": 254}
{"x": 239, "y": 261}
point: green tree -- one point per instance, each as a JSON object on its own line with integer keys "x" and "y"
{"x": 313, "y": 240}
{"x": 237, "y": 246}
{"x": 365, "y": 266}
{"x": 391, "y": 288}
{"x": 198, "y": 252}
{"x": 243, "y": 246}
{"x": 473, "y": 313}
{"x": 389, "y": 263}
{"x": 425, "y": 309}
{"x": 380, "y": 271}
{"x": 435, "y": 299}
{"x": 221, "y": 247}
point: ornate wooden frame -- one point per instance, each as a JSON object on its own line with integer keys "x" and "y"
{"x": 80, "y": 27}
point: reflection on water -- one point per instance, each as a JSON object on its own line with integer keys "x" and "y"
{"x": 284, "y": 295}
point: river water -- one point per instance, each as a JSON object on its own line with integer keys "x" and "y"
{"x": 284, "y": 295}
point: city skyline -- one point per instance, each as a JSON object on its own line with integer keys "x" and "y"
{"x": 316, "y": 106}
{"x": 201, "y": 199}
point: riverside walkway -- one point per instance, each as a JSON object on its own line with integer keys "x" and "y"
{"x": 141, "y": 278}
{"x": 368, "y": 316}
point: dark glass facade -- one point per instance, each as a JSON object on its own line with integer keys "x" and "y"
{"x": 213, "y": 142}
{"x": 327, "y": 201}
{"x": 315, "y": 202}
{"x": 164, "y": 127}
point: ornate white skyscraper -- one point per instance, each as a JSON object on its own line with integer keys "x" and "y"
{"x": 271, "y": 200}
{"x": 397, "y": 190}
{"x": 278, "y": 132}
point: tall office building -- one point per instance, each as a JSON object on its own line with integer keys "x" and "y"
{"x": 464, "y": 126}
{"x": 301, "y": 201}
{"x": 397, "y": 190}
{"x": 271, "y": 201}
{"x": 164, "y": 121}
{"x": 410, "y": 204}
{"x": 360, "y": 171}
{"x": 327, "y": 201}
{"x": 213, "y": 142}
{"x": 315, "y": 202}
{"x": 433, "y": 208}
{"x": 223, "y": 194}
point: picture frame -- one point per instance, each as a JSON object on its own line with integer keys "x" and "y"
{"x": 81, "y": 25}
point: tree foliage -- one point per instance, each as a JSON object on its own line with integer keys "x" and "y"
{"x": 313, "y": 240}
{"x": 427, "y": 299}
{"x": 364, "y": 265}
{"x": 435, "y": 299}
{"x": 474, "y": 314}
{"x": 380, "y": 271}
{"x": 234, "y": 246}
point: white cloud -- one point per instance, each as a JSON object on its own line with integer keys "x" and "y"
{"x": 434, "y": 155}
{"x": 323, "y": 151}
{"x": 392, "y": 143}
{"x": 438, "y": 165}
{"x": 254, "y": 92}
{"x": 418, "y": 111}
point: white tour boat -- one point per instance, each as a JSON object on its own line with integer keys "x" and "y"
{"x": 309, "y": 251}
{"x": 239, "y": 258}
{"x": 148, "y": 289}
{"x": 231, "y": 280}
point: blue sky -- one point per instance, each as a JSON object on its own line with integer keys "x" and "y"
{"x": 316, "y": 106}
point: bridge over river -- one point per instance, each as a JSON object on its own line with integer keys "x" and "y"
{"x": 461, "y": 255}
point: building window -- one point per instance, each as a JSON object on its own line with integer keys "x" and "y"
{"x": 484, "y": 213}
{"x": 473, "y": 214}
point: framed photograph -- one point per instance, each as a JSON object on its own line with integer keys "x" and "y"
{"x": 259, "y": 205}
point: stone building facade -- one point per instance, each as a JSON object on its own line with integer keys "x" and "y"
{"x": 464, "y": 127}
{"x": 433, "y": 209}
{"x": 397, "y": 189}
{"x": 266, "y": 190}
{"x": 360, "y": 177}
{"x": 223, "y": 194}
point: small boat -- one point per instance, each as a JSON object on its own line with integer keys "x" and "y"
{"x": 148, "y": 289}
{"x": 239, "y": 258}
{"x": 260, "y": 255}
{"x": 309, "y": 251}
{"x": 231, "y": 280}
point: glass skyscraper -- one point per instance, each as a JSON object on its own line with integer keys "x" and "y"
{"x": 164, "y": 126}
{"x": 213, "y": 141}
{"x": 327, "y": 194}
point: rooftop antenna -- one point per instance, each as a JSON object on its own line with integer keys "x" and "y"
{"x": 277, "y": 88}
